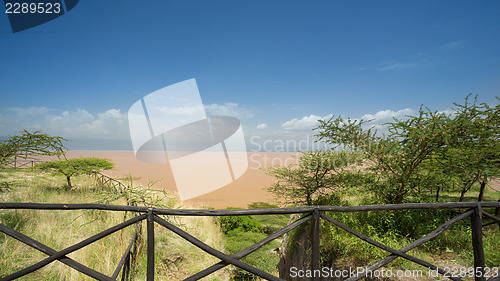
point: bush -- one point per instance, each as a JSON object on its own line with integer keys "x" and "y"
{"x": 244, "y": 223}
{"x": 270, "y": 223}
{"x": 261, "y": 205}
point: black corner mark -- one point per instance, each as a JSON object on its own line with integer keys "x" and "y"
{"x": 25, "y": 14}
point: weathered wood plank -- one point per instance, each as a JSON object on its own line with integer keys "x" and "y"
{"x": 315, "y": 242}
{"x": 490, "y": 216}
{"x": 409, "y": 206}
{"x": 477, "y": 243}
{"x": 245, "y": 212}
{"x": 150, "y": 246}
{"x": 51, "y": 206}
{"x": 124, "y": 257}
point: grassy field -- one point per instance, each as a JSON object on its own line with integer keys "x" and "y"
{"x": 174, "y": 257}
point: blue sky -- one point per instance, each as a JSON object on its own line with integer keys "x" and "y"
{"x": 276, "y": 65}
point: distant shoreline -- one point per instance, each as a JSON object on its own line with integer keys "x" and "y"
{"x": 250, "y": 187}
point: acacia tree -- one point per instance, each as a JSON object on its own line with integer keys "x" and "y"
{"x": 29, "y": 145}
{"x": 465, "y": 144}
{"x": 315, "y": 172}
{"x": 394, "y": 158}
{"x": 473, "y": 155}
{"x": 76, "y": 166}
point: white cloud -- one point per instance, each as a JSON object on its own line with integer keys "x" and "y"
{"x": 262, "y": 126}
{"x": 78, "y": 124}
{"x": 306, "y": 123}
{"x": 229, "y": 109}
{"x": 384, "y": 116}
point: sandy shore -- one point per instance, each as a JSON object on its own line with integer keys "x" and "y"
{"x": 248, "y": 188}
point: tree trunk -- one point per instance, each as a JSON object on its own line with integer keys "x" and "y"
{"x": 68, "y": 178}
{"x": 466, "y": 188}
{"x": 437, "y": 193}
{"x": 462, "y": 195}
{"x": 481, "y": 191}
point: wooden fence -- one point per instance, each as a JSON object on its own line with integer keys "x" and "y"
{"x": 23, "y": 163}
{"x": 312, "y": 213}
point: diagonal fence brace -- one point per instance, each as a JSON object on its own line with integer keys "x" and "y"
{"x": 49, "y": 251}
{"x": 71, "y": 249}
{"x": 416, "y": 243}
{"x": 249, "y": 249}
{"x": 385, "y": 247}
{"x": 191, "y": 239}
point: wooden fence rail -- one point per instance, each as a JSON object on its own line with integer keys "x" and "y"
{"x": 475, "y": 210}
{"x": 23, "y": 163}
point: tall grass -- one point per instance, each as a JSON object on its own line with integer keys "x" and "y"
{"x": 174, "y": 257}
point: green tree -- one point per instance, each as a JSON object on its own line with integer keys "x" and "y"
{"x": 29, "y": 145}
{"x": 428, "y": 150}
{"x": 473, "y": 155}
{"x": 394, "y": 158}
{"x": 76, "y": 166}
{"x": 315, "y": 173}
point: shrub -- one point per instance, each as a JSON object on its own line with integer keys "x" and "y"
{"x": 261, "y": 205}
{"x": 245, "y": 223}
{"x": 270, "y": 223}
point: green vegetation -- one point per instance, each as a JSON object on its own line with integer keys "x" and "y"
{"x": 270, "y": 223}
{"x": 316, "y": 172}
{"x": 432, "y": 149}
{"x": 239, "y": 223}
{"x": 29, "y": 145}
{"x": 430, "y": 157}
{"x": 76, "y": 166}
{"x": 241, "y": 232}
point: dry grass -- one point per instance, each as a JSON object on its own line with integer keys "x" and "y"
{"x": 175, "y": 258}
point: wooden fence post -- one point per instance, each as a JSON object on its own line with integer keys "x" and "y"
{"x": 315, "y": 245}
{"x": 151, "y": 246}
{"x": 497, "y": 212}
{"x": 126, "y": 269}
{"x": 477, "y": 243}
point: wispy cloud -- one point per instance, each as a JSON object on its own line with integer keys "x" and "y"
{"x": 229, "y": 109}
{"x": 453, "y": 45}
{"x": 398, "y": 66}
